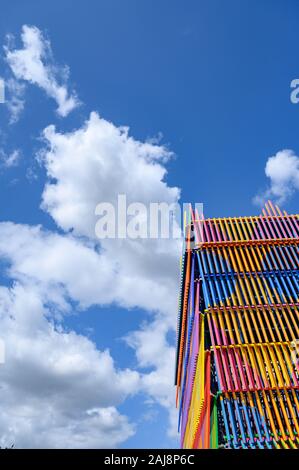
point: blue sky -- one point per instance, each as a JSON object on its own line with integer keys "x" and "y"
{"x": 213, "y": 78}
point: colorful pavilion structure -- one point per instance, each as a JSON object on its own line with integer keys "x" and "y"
{"x": 237, "y": 368}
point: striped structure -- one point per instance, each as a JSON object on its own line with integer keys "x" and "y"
{"x": 237, "y": 370}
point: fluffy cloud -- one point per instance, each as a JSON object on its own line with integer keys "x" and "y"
{"x": 94, "y": 164}
{"x": 63, "y": 372}
{"x": 11, "y": 159}
{"x": 58, "y": 389}
{"x": 55, "y": 390}
{"x": 34, "y": 64}
{"x": 49, "y": 259}
{"x": 283, "y": 171}
{"x": 158, "y": 355}
{"x": 15, "y": 100}
{"x": 48, "y": 264}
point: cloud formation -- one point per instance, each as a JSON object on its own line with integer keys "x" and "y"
{"x": 58, "y": 389}
{"x": 34, "y": 64}
{"x": 11, "y": 159}
{"x": 45, "y": 265}
{"x": 15, "y": 99}
{"x": 54, "y": 388}
{"x": 94, "y": 164}
{"x": 283, "y": 171}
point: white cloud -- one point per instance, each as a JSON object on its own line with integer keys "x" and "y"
{"x": 15, "y": 100}
{"x": 97, "y": 428}
{"x": 54, "y": 260}
{"x": 65, "y": 370}
{"x": 94, "y": 164}
{"x": 153, "y": 350}
{"x": 10, "y": 160}
{"x": 90, "y": 165}
{"x": 57, "y": 390}
{"x": 34, "y": 64}
{"x": 283, "y": 171}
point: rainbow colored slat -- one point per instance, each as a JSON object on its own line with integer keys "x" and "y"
{"x": 237, "y": 367}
